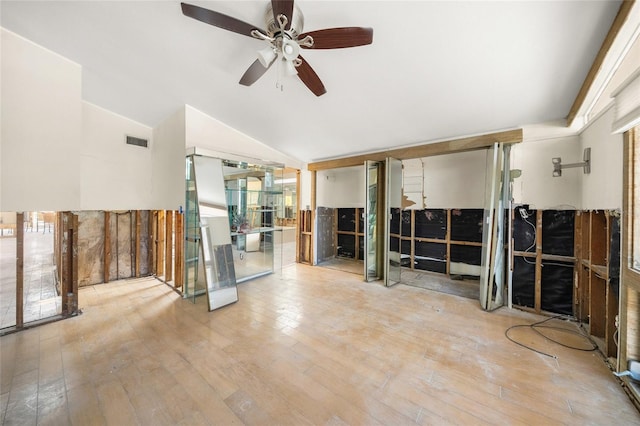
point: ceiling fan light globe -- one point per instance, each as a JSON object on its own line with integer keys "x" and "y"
{"x": 266, "y": 56}
{"x": 290, "y": 49}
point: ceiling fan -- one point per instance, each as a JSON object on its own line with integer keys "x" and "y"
{"x": 284, "y": 22}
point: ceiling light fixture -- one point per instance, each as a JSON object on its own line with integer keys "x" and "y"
{"x": 266, "y": 56}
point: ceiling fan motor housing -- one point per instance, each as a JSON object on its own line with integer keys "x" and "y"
{"x": 273, "y": 27}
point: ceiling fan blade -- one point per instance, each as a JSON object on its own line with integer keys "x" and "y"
{"x": 218, "y": 19}
{"x": 253, "y": 73}
{"x": 283, "y": 7}
{"x": 310, "y": 78}
{"x": 337, "y": 38}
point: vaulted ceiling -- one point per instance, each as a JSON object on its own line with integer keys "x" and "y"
{"x": 435, "y": 70}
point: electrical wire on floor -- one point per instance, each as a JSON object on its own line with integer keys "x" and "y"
{"x": 538, "y": 325}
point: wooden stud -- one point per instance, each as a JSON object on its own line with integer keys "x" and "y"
{"x": 168, "y": 246}
{"x": 627, "y": 241}
{"x": 74, "y": 262}
{"x": 57, "y": 245}
{"x": 107, "y": 246}
{"x": 313, "y": 215}
{"x": 618, "y": 22}
{"x": 19, "y": 270}
{"x": 425, "y": 150}
{"x": 151, "y": 247}
{"x": 179, "y": 249}
{"x": 578, "y": 288}
{"x": 448, "y": 242}
{"x": 137, "y": 244}
{"x": 160, "y": 244}
{"x": 356, "y": 253}
{"x": 412, "y": 254}
{"x": 298, "y": 217}
{"x": 335, "y": 235}
{"x": 65, "y": 282}
{"x": 538, "y": 278}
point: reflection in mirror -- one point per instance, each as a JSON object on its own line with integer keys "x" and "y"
{"x": 371, "y": 221}
{"x": 286, "y": 205}
{"x": 253, "y": 197}
{"x": 213, "y": 225}
{"x": 393, "y": 209}
{"x": 230, "y": 234}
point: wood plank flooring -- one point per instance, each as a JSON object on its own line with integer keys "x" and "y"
{"x": 305, "y": 346}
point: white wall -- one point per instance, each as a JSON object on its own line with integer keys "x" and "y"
{"x": 455, "y": 180}
{"x": 168, "y": 163}
{"x": 305, "y": 189}
{"x": 41, "y": 128}
{"x": 342, "y": 187}
{"x": 115, "y": 176}
{"x": 537, "y": 186}
{"x": 203, "y": 131}
{"x": 602, "y": 188}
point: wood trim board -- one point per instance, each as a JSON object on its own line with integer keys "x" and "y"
{"x": 425, "y": 150}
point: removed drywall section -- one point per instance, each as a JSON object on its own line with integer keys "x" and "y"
{"x": 168, "y": 163}
{"x": 114, "y": 175}
{"x": 90, "y": 247}
{"x": 122, "y": 245}
{"x": 430, "y": 223}
{"x": 556, "y": 293}
{"x": 203, "y": 131}
{"x": 524, "y": 282}
{"x": 144, "y": 250}
{"x": 342, "y": 187}
{"x": 602, "y": 188}
{"x": 122, "y": 234}
{"x": 41, "y": 125}
{"x": 558, "y": 232}
{"x": 326, "y": 248}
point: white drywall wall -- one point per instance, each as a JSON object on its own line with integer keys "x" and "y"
{"x": 602, "y": 188}
{"x": 168, "y": 163}
{"x": 115, "y": 176}
{"x": 203, "y": 131}
{"x": 342, "y": 187}
{"x": 537, "y": 186}
{"x": 41, "y": 128}
{"x": 305, "y": 189}
{"x": 455, "y": 180}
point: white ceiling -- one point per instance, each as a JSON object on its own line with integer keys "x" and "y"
{"x": 435, "y": 70}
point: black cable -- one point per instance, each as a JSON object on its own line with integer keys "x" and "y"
{"x": 538, "y": 324}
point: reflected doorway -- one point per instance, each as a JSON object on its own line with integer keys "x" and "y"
{"x": 41, "y": 292}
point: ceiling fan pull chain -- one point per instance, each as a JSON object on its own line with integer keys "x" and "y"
{"x": 279, "y": 79}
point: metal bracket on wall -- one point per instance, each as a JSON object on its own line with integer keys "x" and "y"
{"x": 585, "y": 164}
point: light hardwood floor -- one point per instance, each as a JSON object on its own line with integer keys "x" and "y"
{"x": 305, "y": 346}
